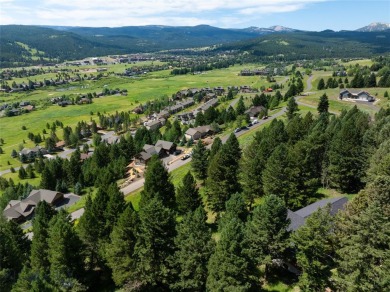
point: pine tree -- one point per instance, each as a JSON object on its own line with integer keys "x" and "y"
{"x": 39, "y": 245}
{"x": 240, "y": 109}
{"x": 222, "y": 179}
{"x": 300, "y": 86}
{"x": 22, "y": 173}
{"x": 158, "y": 184}
{"x": 323, "y": 105}
{"x": 321, "y": 84}
{"x": 200, "y": 120}
{"x": 266, "y": 235}
{"x": 155, "y": 245}
{"x": 292, "y": 108}
{"x": 215, "y": 147}
{"x": 255, "y": 158}
{"x": 276, "y": 173}
{"x": 229, "y": 269}
{"x": 371, "y": 80}
{"x": 64, "y": 253}
{"x": 115, "y": 206}
{"x": 314, "y": 251}
{"x": 363, "y": 236}
{"x": 347, "y": 158}
{"x": 194, "y": 248}
{"x": 364, "y": 260}
{"x": 199, "y": 161}
{"x": 187, "y": 195}
{"x": 14, "y": 250}
{"x": 235, "y": 209}
{"x": 120, "y": 250}
{"x": 92, "y": 228}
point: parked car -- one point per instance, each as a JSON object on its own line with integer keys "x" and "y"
{"x": 255, "y": 122}
{"x": 177, "y": 152}
{"x": 237, "y": 130}
{"x": 184, "y": 157}
{"x": 265, "y": 117}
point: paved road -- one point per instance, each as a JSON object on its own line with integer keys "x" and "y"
{"x": 139, "y": 183}
{"x": 233, "y": 103}
{"x": 308, "y": 82}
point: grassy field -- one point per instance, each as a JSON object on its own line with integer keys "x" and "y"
{"x": 154, "y": 85}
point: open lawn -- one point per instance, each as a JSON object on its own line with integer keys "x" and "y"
{"x": 151, "y": 86}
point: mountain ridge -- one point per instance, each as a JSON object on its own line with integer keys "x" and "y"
{"x": 375, "y": 27}
{"x": 60, "y": 43}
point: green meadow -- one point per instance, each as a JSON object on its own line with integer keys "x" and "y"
{"x": 142, "y": 89}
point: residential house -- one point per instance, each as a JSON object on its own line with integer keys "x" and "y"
{"x": 356, "y": 94}
{"x": 211, "y": 103}
{"x": 153, "y": 125}
{"x": 254, "y": 111}
{"x": 23, "y": 210}
{"x": 138, "y": 110}
{"x": 209, "y": 95}
{"x": 298, "y": 218}
{"x": 219, "y": 90}
{"x": 31, "y": 153}
{"x": 24, "y": 103}
{"x": 168, "y": 147}
{"x": 142, "y": 158}
{"x": 245, "y": 89}
{"x": 198, "y": 132}
{"x": 60, "y": 145}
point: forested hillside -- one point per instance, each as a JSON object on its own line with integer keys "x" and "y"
{"x": 55, "y": 46}
{"x": 232, "y": 235}
{"x": 28, "y": 45}
{"x": 314, "y": 45}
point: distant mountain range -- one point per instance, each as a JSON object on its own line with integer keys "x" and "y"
{"x": 375, "y": 26}
{"x": 23, "y": 45}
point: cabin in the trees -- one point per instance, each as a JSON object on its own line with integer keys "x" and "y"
{"x": 298, "y": 218}
{"x": 20, "y": 211}
{"x": 356, "y": 94}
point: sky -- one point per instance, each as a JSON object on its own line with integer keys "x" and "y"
{"x": 313, "y": 15}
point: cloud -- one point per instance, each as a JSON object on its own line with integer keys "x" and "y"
{"x": 227, "y": 13}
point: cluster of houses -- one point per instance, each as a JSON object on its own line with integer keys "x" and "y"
{"x": 132, "y": 58}
{"x": 33, "y": 85}
{"x": 356, "y": 94}
{"x": 22, "y": 107}
{"x": 189, "y": 117}
{"x": 157, "y": 120}
{"x": 208, "y": 92}
{"x": 65, "y": 101}
{"x": 247, "y": 72}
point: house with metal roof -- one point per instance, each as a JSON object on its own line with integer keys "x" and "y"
{"x": 298, "y": 218}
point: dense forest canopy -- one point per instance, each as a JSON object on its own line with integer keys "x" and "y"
{"x": 153, "y": 250}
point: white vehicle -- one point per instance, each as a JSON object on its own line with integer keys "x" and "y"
{"x": 255, "y": 122}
